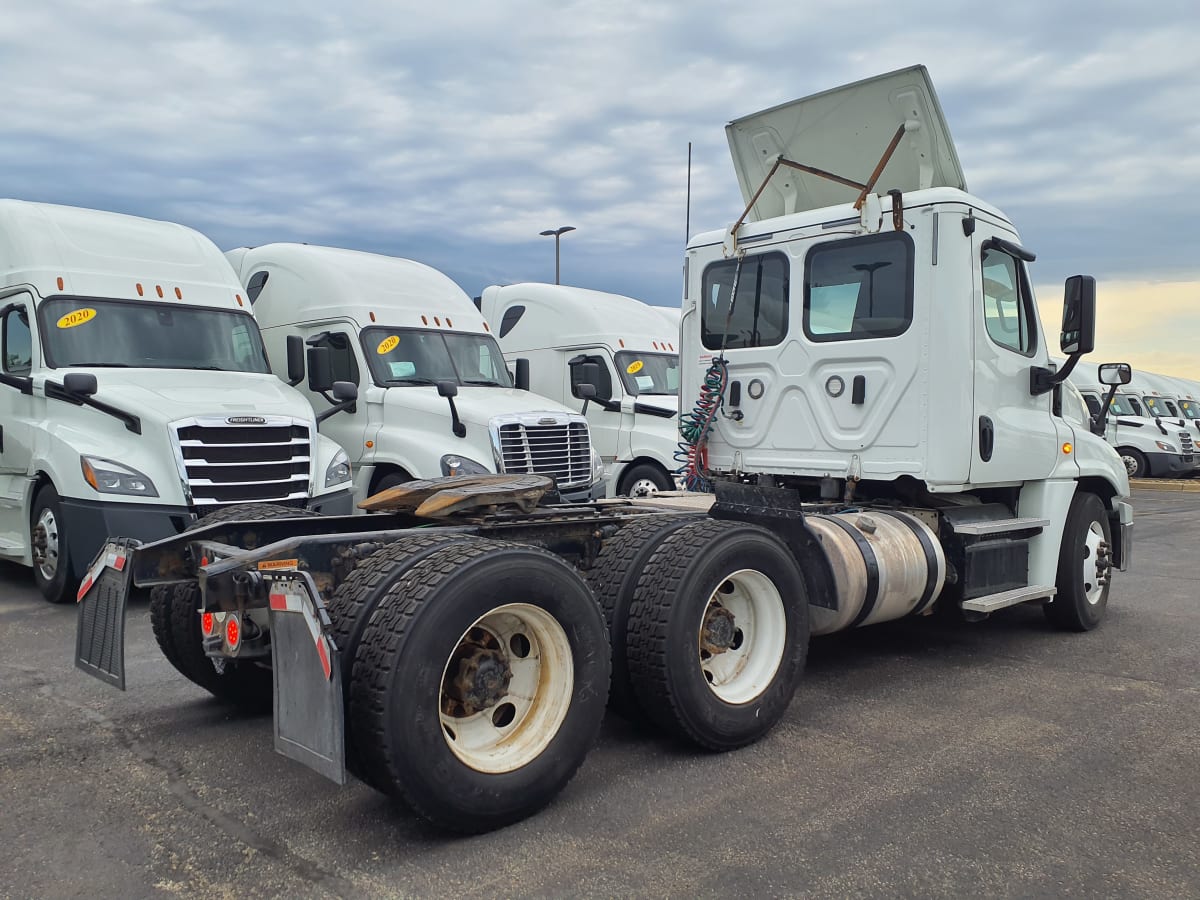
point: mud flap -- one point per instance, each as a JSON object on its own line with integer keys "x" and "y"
{"x": 310, "y": 726}
{"x": 103, "y": 595}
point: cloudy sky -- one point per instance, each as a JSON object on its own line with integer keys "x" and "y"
{"x": 453, "y": 133}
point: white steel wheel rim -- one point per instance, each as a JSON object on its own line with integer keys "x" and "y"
{"x": 1092, "y": 539}
{"x": 49, "y": 525}
{"x": 742, "y": 672}
{"x": 514, "y": 730}
{"x": 643, "y": 487}
{"x": 1131, "y": 465}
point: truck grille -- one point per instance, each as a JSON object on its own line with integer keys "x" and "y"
{"x": 1186, "y": 446}
{"x": 252, "y": 459}
{"x": 544, "y": 444}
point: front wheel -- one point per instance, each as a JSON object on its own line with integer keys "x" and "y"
{"x": 1084, "y": 567}
{"x": 1135, "y": 462}
{"x": 644, "y": 480}
{"x": 52, "y": 566}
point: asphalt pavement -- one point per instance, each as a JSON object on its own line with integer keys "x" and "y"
{"x": 1000, "y": 759}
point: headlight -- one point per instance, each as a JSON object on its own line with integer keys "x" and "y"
{"x": 110, "y": 477}
{"x": 597, "y": 466}
{"x": 1163, "y": 445}
{"x": 339, "y": 470}
{"x": 453, "y": 464}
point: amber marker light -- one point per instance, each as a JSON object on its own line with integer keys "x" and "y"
{"x": 60, "y": 282}
{"x": 178, "y": 294}
{"x": 140, "y": 290}
{"x": 370, "y": 444}
{"x": 158, "y": 287}
{"x": 1067, "y": 448}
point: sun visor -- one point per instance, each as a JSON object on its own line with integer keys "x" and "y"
{"x": 845, "y": 131}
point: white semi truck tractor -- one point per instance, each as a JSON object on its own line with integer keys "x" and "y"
{"x": 874, "y": 411}
{"x": 135, "y": 395}
{"x": 559, "y": 338}
{"x": 434, "y": 395}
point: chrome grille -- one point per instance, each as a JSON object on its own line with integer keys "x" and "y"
{"x": 255, "y": 459}
{"x": 547, "y": 444}
{"x": 1186, "y": 445}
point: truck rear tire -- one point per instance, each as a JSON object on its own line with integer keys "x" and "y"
{"x": 479, "y": 684}
{"x": 1084, "y": 567}
{"x": 613, "y": 580}
{"x": 718, "y": 633}
{"x": 175, "y": 618}
{"x": 354, "y": 601}
{"x": 53, "y": 575}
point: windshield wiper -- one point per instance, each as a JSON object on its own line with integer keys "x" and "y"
{"x": 411, "y": 379}
{"x": 486, "y": 382}
{"x": 100, "y": 365}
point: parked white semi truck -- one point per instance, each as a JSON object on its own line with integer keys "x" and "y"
{"x": 878, "y": 420}
{"x": 1188, "y": 393}
{"x": 435, "y": 397}
{"x": 1149, "y": 446}
{"x": 134, "y": 392}
{"x": 623, "y": 348}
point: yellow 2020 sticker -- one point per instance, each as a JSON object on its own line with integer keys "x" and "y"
{"x": 634, "y": 367}
{"x": 388, "y": 344}
{"x": 78, "y": 317}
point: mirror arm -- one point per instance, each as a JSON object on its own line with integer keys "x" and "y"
{"x": 456, "y": 425}
{"x": 344, "y": 406}
{"x": 1042, "y": 380}
{"x": 1100, "y": 420}
{"x": 55, "y": 391}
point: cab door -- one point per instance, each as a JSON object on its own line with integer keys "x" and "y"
{"x": 1016, "y": 435}
{"x": 17, "y": 357}
{"x": 603, "y": 414}
{"x": 348, "y": 429}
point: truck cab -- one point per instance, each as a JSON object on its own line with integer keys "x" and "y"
{"x": 135, "y": 394}
{"x": 624, "y": 348}
{"x": 435, "y": 397}
{"x": 867, "y": 333}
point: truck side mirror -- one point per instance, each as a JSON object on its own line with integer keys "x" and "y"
{"x": 81, "y": 384}
{"x": 345, "y": 391}
{"x": 1115, "y": 373}
{"x": 295, "y": 359}
{"x": 589, "y": 374}
{"x": 320, "y": 370}
{"x": 521, "y": 379}
{"x": 1079, "y": 316}
{"x": 447, "y": 389}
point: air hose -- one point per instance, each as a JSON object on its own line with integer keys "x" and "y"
{"x": 695, "y": 426}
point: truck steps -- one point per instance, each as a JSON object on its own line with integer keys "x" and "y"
{"x": 1000, "y": 526}
{"x": 993, "y": 602}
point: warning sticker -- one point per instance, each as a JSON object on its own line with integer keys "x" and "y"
{"x": 388, "y": 344}
{"x": 274, "y": 565}
{"x": 78, "y": 317}
{"x": 634, "y": 367}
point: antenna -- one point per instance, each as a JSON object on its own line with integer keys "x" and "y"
{"x": 687, "y": 216}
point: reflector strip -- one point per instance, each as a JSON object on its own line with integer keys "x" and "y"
{"x": 298, "y": 603}
{"x": 111, "y": 558}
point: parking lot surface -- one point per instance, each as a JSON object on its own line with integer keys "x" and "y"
{"x": 919, "y": 758}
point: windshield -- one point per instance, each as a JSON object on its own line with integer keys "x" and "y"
{"x": 400, "y": 356}
{"x": 649, "y": 373}
{"x": 1160, "y": 406}
{"x": 88, "y": 331}
{"x": 1190, "y": 409}
{"x": 1120, "y": 407}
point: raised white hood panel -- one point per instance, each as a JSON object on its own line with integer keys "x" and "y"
{"x": 845, "y": 131}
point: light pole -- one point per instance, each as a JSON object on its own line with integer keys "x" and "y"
{"x": 557, "y": 233}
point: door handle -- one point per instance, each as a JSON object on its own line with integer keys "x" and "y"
{"x": 987, "y": 438}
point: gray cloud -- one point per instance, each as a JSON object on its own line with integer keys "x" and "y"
{"x": 455, "y": 133}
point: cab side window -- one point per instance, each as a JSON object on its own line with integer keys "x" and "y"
{"x": 1007, "y": 304}
{"x": 341, "y": 355}
{"x": 17, "y": 343}
{"x": 759, "y": 313}
{"x": 604, "y": 390}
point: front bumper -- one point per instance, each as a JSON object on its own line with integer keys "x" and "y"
{"x": 91, "y": 522}
{"x": 593, "y": 491}
{"x": 1161, "y": 464}
{"x": 340, "y": 503}
{"x": 1121, "y": 527}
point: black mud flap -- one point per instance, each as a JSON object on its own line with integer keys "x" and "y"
{"x": 100, "y": 632}
{"x": 310, "y": 726}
